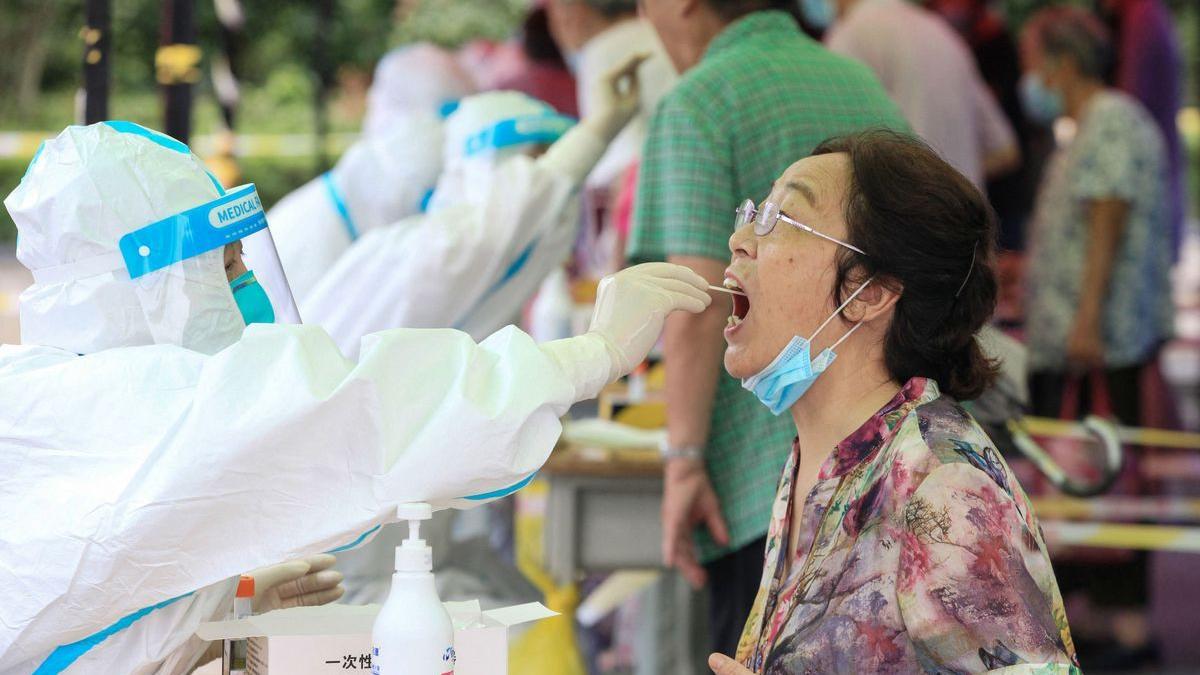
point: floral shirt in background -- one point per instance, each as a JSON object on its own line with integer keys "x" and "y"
{"x": 918, "y": 551}
{"x": 1116, "y": 153}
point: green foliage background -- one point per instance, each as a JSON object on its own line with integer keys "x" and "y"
{"x": 275, "y": 63}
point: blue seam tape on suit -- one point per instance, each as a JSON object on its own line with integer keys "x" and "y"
{"x": 512, "y": 271}
{"x": 354, "y": 544}
{"x": 339, "y": 203}
{"x": 62, "y": 657}
{"x": 504, "y": 492}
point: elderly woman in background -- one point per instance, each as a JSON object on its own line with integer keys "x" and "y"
{"x": 899, "y": 540}
{"x": 1099, "y": 293}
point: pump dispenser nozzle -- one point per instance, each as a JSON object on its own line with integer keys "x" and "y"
{"x": 413, "y": 634}
{"x": 413, "y": 554}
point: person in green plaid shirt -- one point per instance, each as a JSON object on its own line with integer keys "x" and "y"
{"x": 756, "y": 95}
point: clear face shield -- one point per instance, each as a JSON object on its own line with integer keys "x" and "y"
{"x": 228, "y": 233}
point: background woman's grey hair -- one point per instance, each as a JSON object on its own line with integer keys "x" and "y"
{"x": 1076, "y": 34}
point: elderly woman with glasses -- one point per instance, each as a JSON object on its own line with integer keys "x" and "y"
{"x": 899, "y": 541}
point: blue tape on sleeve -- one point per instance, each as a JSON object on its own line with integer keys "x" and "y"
{"x": 357, "y": 542}
{"x": 448, "y": 107}
{"x": 503, "y": 492}
{"x": 339, "y": 203}
{"x": 425, "y": 199}
{"x": 200, "y": 229}
{"x": 62, "y": 657}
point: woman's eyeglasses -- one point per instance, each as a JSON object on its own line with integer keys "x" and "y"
{"x": 764, "y": 220}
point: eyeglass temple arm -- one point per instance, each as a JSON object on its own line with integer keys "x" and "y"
{"x": 822, "y": 235}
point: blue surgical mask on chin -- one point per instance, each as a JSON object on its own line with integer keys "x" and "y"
{"x": 252, "y": 299}
{"x": 818, "y": 13}
{"x": 793, "y": 371}
{"x": 1042, "y": 104}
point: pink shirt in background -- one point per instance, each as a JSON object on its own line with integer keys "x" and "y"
{"x": 930, "y": 73}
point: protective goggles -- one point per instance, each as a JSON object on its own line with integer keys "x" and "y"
{"x": 541, "y": 128}
{"x": 236, "y": 215}
{"x": 765, "y": 218}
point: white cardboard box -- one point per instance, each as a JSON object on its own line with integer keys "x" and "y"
{"x": 337, "y": 638}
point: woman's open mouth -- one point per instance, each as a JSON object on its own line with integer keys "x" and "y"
{"x": 741, "y": 305}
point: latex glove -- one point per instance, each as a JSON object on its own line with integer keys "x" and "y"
{"x": 632, "y": 306}
{"x": 617, "y": 101}
{"x": 298, "y": 583}
{"x": 688, "y": 501}
{"x": 723, "y": 665}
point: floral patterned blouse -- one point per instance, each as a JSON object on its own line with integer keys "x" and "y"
{"x": 918, "y": 551}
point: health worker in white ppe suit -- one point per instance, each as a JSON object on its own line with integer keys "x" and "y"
{"x": 385, "y": 176}
{"x": 378, "y": 181}
{"x": 413, "y": 78}
{"x": 154, "y": 446}
{"x": 499, "y": 221}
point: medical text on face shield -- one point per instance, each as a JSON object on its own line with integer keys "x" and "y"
{"x": 235, "y": 212}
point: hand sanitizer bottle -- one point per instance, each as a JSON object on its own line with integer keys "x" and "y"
{"x": 412, "y": 634}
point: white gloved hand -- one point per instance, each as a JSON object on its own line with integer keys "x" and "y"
{"x": 298, "y": 583}
{"x": 632, "y": 306}
{"x": 617, "y": 100}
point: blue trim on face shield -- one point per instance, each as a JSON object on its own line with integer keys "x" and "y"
{"x": 503, "y": 492}
{"x": 62, "y": 657}
{"x": 339, "y": 204}
{"x": 543, "y": 128}
{"x": 200, "y": 229}
{"x": 425, "y": 199}
{"x": 159, "y": 139}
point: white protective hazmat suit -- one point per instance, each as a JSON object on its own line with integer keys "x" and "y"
{"x": 498, "y": 223}
{"x": 383, "y": 178}
{"x": 420, "y": 77}
{"x": 144, "y": 464}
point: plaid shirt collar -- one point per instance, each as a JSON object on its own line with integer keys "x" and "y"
{"x": 754, "y": 24}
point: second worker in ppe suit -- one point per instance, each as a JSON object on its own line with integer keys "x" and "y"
{"x": 385, "y": 176}
{"x": 154, "y": 446}
{"x": 499, "y": 221}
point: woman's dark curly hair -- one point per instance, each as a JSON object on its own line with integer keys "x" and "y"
{"x": 929, "y": 234}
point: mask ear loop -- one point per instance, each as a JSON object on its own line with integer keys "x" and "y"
{"x": 838, "y": 311}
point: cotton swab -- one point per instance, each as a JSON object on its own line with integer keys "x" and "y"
{"x": 726, "y": 290}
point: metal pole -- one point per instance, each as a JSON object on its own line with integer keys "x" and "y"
{"x": 230, "y": 20}
{"x": 96, "y": 49}
{"x": 176, "y": 66}
{"x": 324, "y": 76}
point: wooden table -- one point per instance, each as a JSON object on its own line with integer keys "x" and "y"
{"x": 602, "y": 515}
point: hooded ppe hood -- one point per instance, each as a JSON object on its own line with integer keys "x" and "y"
{"x": 420, "y": 78}
{"x": 391, "y": 159}
{"x": 481, "y": 133}
{"x": 84, "y": 190}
